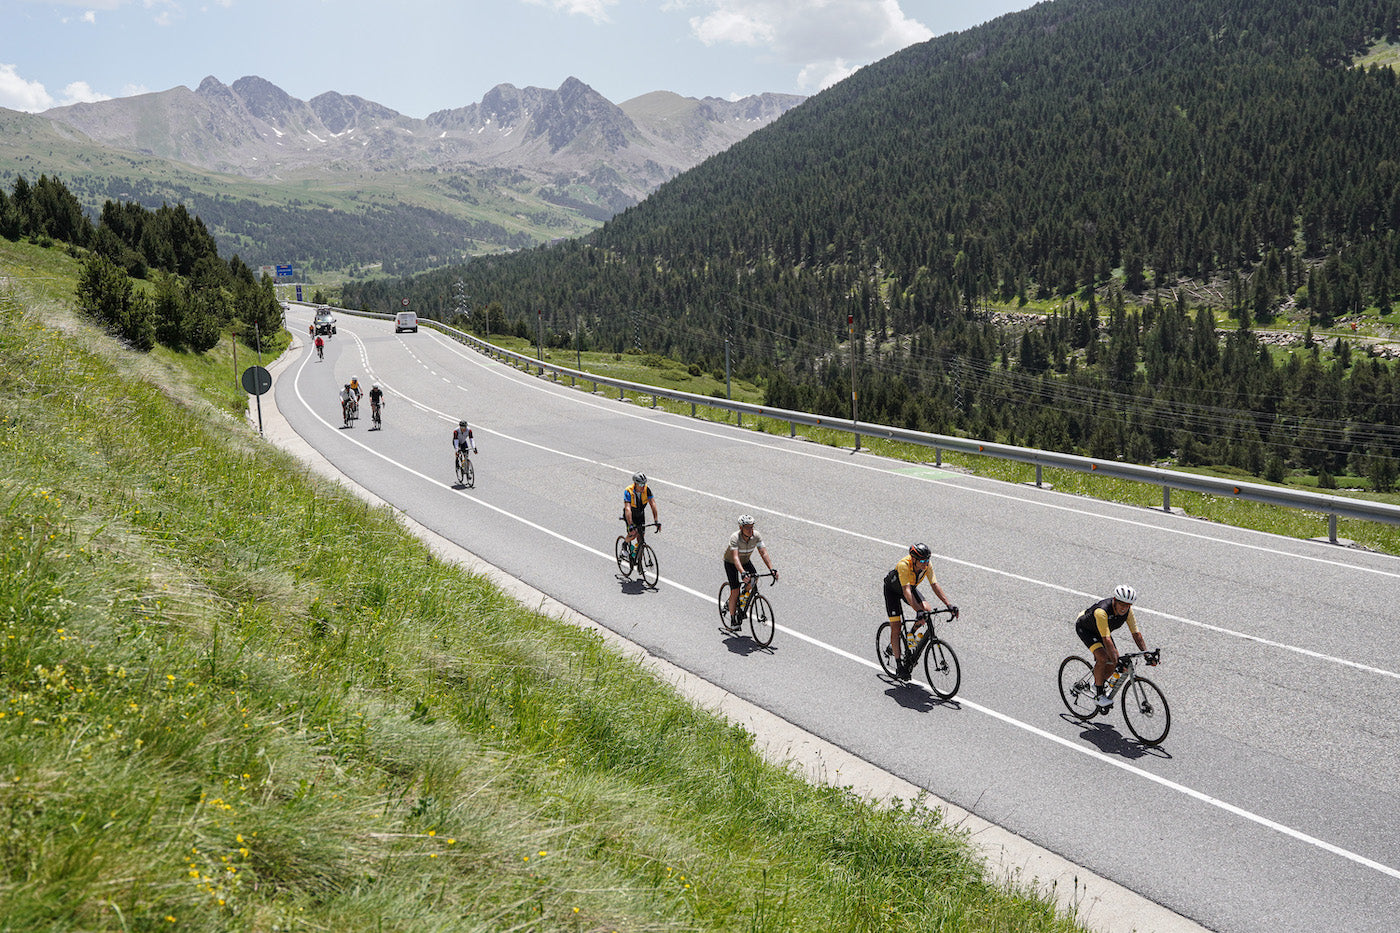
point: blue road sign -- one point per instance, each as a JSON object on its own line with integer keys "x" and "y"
{"x": 284, "y": 272}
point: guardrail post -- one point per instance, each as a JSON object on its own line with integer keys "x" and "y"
{"x": 620, "y": 395}
{"x": 792, "y": 429}
{"x": 1166, "y": 498}
{"x": 1037, "y": 474}
{"x": 740, "y": 416}
{"x": 938, "y": 456}
{"x": 653, "y": 401}
{"x": 1332, "y": 527}
{"x": 692, "y": 409}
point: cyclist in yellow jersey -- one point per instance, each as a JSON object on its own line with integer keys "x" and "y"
{"x": 635, "y": 499}
{"x": 902, "y": 585}
{"x": 1095, "y": 626}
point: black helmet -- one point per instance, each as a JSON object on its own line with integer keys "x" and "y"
{"x": 920, "y": 552}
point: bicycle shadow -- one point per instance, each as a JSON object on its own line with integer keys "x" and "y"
{"x": 633, "y": 586}
{"x": 739, "y": 643}
{"x": 1105, "y": 736}
{"x": 914, "y": 696}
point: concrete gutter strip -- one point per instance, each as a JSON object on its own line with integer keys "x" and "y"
{"x": 1098, "y": 903}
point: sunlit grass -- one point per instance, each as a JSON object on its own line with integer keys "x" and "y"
{"x": 238, "y": 699}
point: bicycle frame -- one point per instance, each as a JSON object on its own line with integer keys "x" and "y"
{"x": 748, "y": 588}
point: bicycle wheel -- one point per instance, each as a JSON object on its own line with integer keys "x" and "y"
{"x": 471, "y": 475}
{"x": 624, "y": 558}
{"x": 461, "y": 472}
{"x": 651, "y": 570}
{"x": 1077, "y": 687}
{"x": 724, "y": 605}
{"x": 942, "y": 669}
{"x": 888, "y": 662}
{"x": 1145, "y": 711}
{"x": 761, "y": 622}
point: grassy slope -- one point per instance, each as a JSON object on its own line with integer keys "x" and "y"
{"x": 237, "y": 699}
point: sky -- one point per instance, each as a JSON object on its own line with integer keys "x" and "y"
{"x": 419, "y": 56}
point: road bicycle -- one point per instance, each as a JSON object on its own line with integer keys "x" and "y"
{"x": 466, "y": 473}
{"x": 1145, "y": 707}
{"x": 347, "y": 409}
{"x": 941, "y": 667}
{"x": 631, "y": 557}
{"x": 374, "y": 409}
{"x": 752, "y": 606}
{"x": 320, "y": 351}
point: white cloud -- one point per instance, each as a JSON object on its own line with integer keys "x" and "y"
{"x": 19, "y": 94}
{"x": 825, "y": 39}
{"x": 596, "y": 10}
{"x": 89, "y": 17}
{"x": 79, "y": 92}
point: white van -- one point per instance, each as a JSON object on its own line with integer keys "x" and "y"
{"x": 405, "y": 320}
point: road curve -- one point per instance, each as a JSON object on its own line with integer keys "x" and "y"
{"x": 1269, "y": 808}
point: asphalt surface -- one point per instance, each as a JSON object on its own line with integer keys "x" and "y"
{"x": 1271, "y": 804}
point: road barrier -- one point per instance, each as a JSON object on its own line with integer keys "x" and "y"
{"x": 1329, "y": 505}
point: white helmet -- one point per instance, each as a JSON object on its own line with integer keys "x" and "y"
{"x": 745, "y": 519}
{"x": 1125, "y": 594}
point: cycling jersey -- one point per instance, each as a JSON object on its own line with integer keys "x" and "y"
{"x": 376, "y": 395}
{"x": 463, "y": 439}
{"x": 1096, "y": 622}
{"x": 745, "y": 547}
{"x": 903, "y": 573}
{"x": 634, "y": 498}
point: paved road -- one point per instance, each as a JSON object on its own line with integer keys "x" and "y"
{"x": 1270, "y": 807}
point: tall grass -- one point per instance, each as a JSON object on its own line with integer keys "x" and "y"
{"x": 237, "y": 699}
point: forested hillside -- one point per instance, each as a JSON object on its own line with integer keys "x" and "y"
{"x": 1121, "y": 166}
{"x": 189, "y": 296}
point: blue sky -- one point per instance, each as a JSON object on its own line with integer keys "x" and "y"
{"x": 417, "y": 56}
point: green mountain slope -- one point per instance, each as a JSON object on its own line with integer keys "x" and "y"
{"x": 1103, "y": 162}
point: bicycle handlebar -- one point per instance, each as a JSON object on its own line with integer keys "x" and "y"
{"x": 929, "y": 613}
{"x": 1152, "y": 658}
{"x": 656, "y": 525}
{"x": 757, "y": 576}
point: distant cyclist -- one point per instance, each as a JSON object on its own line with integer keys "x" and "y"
{"x": 635, "y": 499}
{"x": 902, "y": 586}
{"x": 347, "y": 402}
{"x": 1095, "y": 626}
{"x": 355, "y": 387}
{"x": 320, "y": 348}
{"x": 376, "y": 401}
{"x": 738, "y": 559}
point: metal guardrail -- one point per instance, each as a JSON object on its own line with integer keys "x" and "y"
{"x": 1331, "y": 506}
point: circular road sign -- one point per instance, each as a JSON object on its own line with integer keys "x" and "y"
{"x": 404, "y": 302}
{"x": 256, "y": 380}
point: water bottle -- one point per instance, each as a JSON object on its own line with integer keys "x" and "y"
{"x": 1111, "y": 686}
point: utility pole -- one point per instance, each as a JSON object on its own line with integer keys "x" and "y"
{"x": 851, "y": 329}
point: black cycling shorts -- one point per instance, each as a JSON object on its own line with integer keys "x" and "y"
{"x": 894, "y": 599}
{"x": 639, "y": 516}
{"x": 733, "y": 574}
{"x": 1088, "y": 633}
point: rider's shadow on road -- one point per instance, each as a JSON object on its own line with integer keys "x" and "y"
{"x": 633, "y": 586}
{"x": 1107, "y": 739}
{"x": 912, "y": 696}
{"x": 741, "y": 644}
